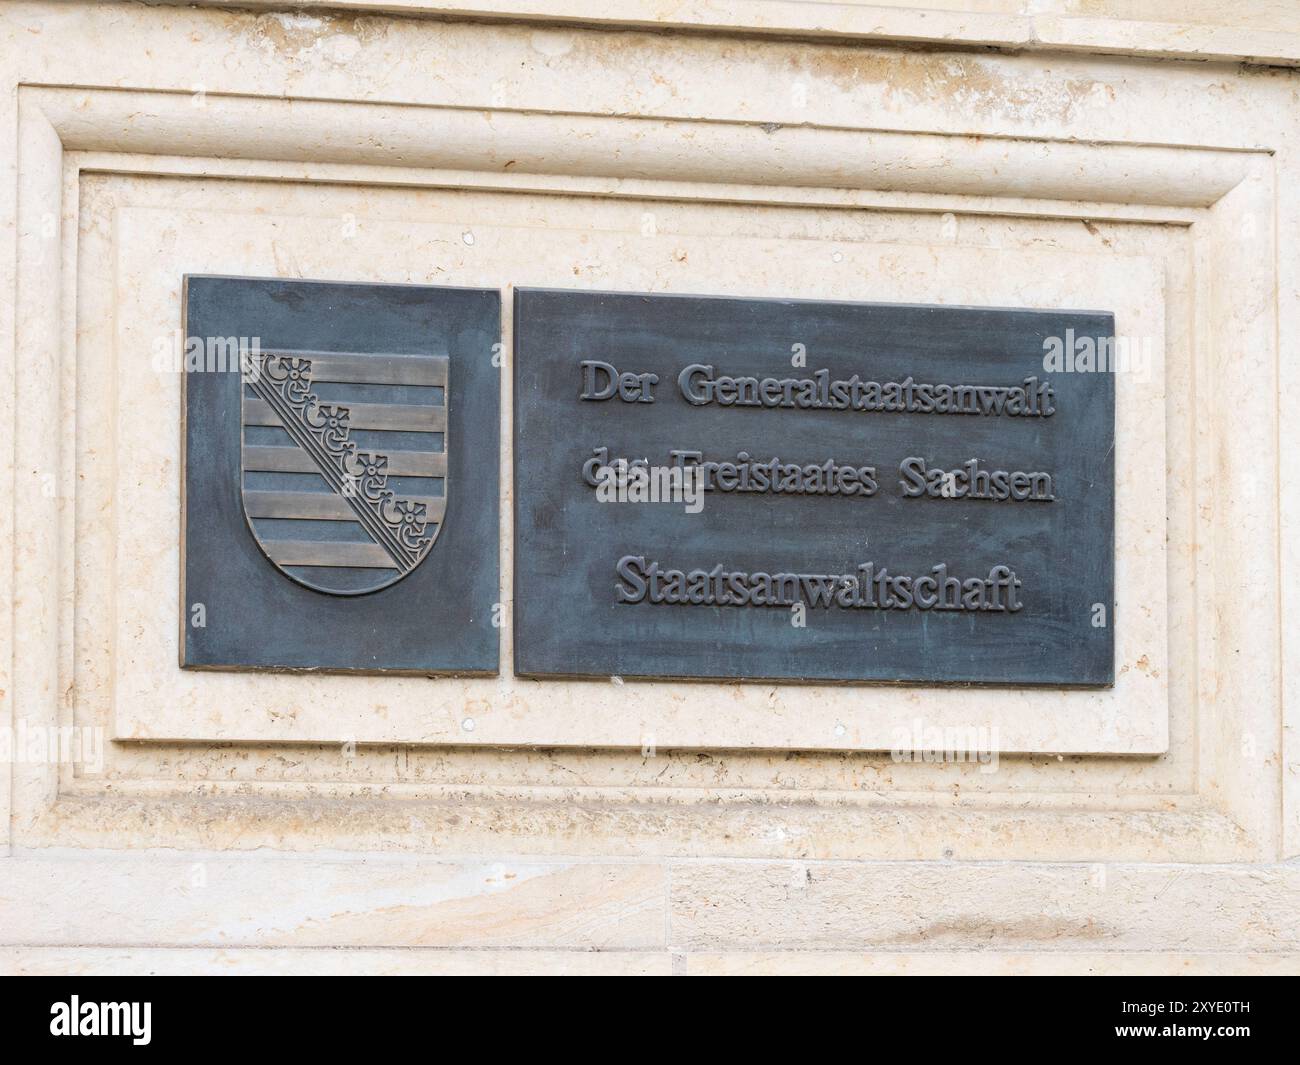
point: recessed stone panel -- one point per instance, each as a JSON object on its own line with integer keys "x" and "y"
{"x": 124, "y": 237}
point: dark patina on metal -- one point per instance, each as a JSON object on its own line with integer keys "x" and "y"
{"x": 324, "y": 522}
{"x": 863, "y": 492}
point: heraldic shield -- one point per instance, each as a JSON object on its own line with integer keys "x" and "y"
{"x": 344, "y": 464}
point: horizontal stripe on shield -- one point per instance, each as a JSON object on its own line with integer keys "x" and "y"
{"x": 340, "y": 579}
{"x": 402, "y": 417}
{"x": 325, "y": 506}
{"x": 428, "y": 370}
{"x": 295, "y": 460}
{"x": 327, "y": 553}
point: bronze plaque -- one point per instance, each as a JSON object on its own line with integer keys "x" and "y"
{"x": 329, "y": 522}
{"x": 735, "y": 489}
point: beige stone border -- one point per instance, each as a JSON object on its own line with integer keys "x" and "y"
{"x": 725, "y": 914}
{"x": 1055, "y": 25}
{"x": 1210, "y": 191}
{"x": 396, "y": 961}
{"x": 156, "y": 702}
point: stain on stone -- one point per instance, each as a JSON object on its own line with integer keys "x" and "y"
{"x": 980, "y": 85}
{"x": 974, "y": 929}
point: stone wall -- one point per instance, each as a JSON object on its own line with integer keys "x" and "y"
{"x": 1137, "y": 156}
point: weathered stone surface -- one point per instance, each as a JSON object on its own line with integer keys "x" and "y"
{"x": 488, "y": 824}
{"x": 212, "y": 900}
{"x": 889, "y": 907}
